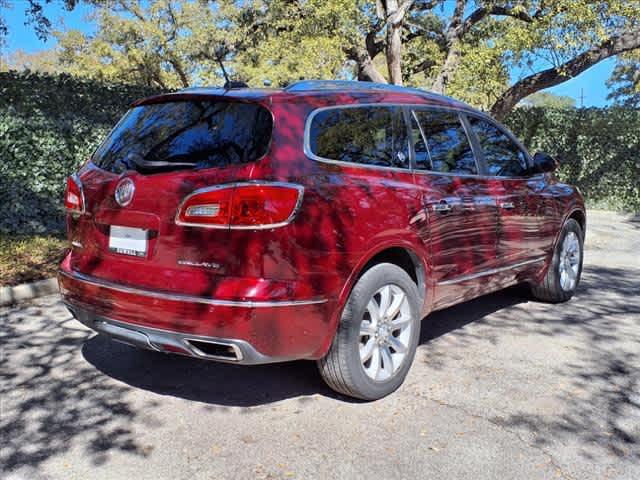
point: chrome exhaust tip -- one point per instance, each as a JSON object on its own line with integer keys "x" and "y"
{"x": 215, "y": 349}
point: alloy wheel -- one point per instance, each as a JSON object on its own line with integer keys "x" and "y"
{"x": 569, "y": 265}
{"x": 385, "y": 332}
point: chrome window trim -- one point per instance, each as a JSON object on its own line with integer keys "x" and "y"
{"x": 481, "y": 177}
{"x": 307, "y": 142}
{"x": 269, "y": 226}
{"x": 492, "y": 271}
{"x": 179, "y": 297}
{"x": 504, "y": 130}
{"x": 458, "y": 110}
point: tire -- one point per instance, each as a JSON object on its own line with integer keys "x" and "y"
{"x": 388, "y": 341}
{"x": 557, "y": 286}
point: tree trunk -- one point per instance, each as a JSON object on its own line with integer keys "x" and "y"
{"x": 394, "y": 43}
{"x": 553, "y": 76}
{"x": 394, "y": 54}
{"x": 448, "y": 69}
{"x": 367, "y": 71}
{"x": 454, "y": 32}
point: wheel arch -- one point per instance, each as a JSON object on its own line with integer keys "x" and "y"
{"x": 579, "y": 216}
{"x": 404, "y": 258}
{"x": 402, "y": 254}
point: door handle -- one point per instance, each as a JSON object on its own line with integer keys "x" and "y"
{"x": 507, "y": 205}
{"x": 441, "y": 207}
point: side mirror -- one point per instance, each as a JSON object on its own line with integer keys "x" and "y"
{"x": 543, "y": 163}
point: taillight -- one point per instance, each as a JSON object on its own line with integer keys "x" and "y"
{"x": 241, "y": 206}
{"x": 73, "y": 195}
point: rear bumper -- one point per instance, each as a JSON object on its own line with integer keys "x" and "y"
{"x": 210, "y": 348}
{"x": 247, "y": 332}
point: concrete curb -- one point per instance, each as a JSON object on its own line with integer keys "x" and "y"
{"x": 27, "y": 291}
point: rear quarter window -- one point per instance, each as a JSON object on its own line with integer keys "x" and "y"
{"x": 186, "y": 135}
{"x": 368, "y": 135}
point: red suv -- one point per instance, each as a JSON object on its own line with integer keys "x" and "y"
{"x": 321, "y": 221}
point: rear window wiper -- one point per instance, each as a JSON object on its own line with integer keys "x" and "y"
{"x": 162, "y": 163}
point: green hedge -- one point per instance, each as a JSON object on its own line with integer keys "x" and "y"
{"x": 598, "y": 150}
{"x": 50, "y": 124}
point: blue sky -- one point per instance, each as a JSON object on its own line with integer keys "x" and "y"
{"x": 591, "y": 83}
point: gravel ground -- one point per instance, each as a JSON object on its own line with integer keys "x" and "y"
{"x": 502, "y": 387}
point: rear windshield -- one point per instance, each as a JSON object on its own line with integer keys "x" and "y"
{"x": 186, "y": 135}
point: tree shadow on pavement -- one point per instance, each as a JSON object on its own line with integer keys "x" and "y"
{"x": 600, "y": 326}
{"x": 54, "y": 399}
{"x": 602, "y": 399}
{"x": 49, "y": 395}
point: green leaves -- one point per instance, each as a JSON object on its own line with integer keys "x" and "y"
{"x": 49, "y": 125}
{"x": 598, "y": 149}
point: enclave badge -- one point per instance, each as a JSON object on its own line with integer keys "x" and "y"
{"x": 124, "y": 192}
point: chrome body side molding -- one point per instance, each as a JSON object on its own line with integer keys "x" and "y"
{"x": 493, "y": 271}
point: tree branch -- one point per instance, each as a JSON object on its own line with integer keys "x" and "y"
{"x": 456, "y": 19}
{"x": 374, "y": 47}
{"x": 396, "y": 17}
{"x": 420, "y": 67}
{"x": 481, "y": 13}
{"x": 629, "y": 40}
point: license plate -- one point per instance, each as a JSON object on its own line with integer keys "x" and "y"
{"x": 128, "y": 241}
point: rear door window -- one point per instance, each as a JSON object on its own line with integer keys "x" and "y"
{"x": 503, "y": 156}
{"x": 366, "y": 135}
{"x": 441, "y": 143}
{"x": 186, "y": 135}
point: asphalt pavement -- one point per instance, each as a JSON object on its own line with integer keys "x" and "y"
{"x": 502, "y": 387}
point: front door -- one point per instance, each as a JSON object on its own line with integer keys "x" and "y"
{"x": 460, "y": 208}
{"x": 522, "y": 208}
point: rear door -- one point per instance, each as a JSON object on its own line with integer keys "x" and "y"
{"x": 461, "y": 211}
{"x": 523, "y": 234}
{"x": 136, "y": 180}
{"x": 362, "y": 155}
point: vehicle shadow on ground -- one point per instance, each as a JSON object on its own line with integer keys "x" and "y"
{"x": 200, "y": 380}
{"x": 247, "y": 386}
{"x": 51, "y": 395}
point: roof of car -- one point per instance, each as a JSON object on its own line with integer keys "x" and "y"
{"x": 351, "y": 85}
{"x": 305, "y": 88}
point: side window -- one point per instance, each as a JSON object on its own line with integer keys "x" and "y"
{"x": 369, "y": 135}
{"x": 444, "y": 142}
{"x": 504, "y": 157}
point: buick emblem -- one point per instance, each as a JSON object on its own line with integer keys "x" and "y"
{"x": 124, "y": 192}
